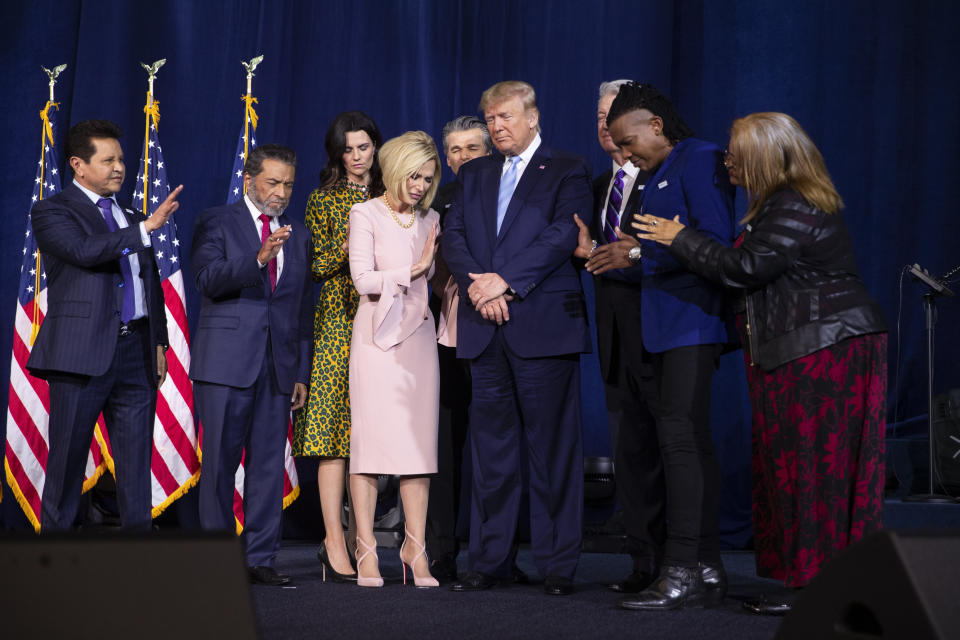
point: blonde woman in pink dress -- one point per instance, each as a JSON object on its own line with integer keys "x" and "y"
{"x": 394, "y": 373}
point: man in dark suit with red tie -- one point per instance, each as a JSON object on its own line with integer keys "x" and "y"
{"x": 521, "y": 322}
{"x": 101, "y": 346}
{"x": 251, "y": 351}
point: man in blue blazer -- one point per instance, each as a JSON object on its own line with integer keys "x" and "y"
{"x": 683, "y": 327}
{"x": 613, "y": 257}
{"x": 101, "y": 346}
{"x": 522, "y": 324}
{"x": 251, "y": 350}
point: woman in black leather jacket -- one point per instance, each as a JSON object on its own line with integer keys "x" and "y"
{"x": 815, "y": 346}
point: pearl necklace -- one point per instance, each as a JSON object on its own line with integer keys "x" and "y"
{"x": 413, "y": 214}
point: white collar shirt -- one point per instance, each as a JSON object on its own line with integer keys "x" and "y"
{"x": 525, "y": 157}
{"x": 629, "y": 180}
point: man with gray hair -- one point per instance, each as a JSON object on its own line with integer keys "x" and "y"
{"x": 612, "y": 258}
{"x": 464, "y": 138}
{"x": 251, "y": 350}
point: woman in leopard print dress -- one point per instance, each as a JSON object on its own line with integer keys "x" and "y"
{"x": 322, "y": 428}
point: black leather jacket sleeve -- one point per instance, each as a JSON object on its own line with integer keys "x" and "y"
{"x": 799, "y": 279}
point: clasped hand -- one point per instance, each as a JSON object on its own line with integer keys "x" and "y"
{"x": 488, "y": 294}
{"x": 613, "y": 255}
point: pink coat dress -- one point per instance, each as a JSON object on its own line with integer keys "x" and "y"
{"x": 394, "y": 372}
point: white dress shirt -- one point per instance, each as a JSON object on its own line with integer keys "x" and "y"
{"x": 524, "y": 156}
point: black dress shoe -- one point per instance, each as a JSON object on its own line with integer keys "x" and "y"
{"x": 444, "y": 568}
{"x": 474, "y": 581}
{"x": 674, "y": 588}
{"x": 714, "y": 583}
{"x": 519, "y": 577}
{"x": 557, "y": 586}
{"x": 769, "y": 605}
{"x": 268, "y": 576}
{"x": 633, "y": 583}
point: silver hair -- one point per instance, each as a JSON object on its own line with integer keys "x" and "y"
{"x": 466, "y": 123}
{"x": 611, "y": 87}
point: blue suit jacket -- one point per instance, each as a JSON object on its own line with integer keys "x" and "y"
{"x": 532, "y": 252}
{"x": 239, "y": 314}
{"x": 84, "y": 297}
{"x": 679, "y": 307}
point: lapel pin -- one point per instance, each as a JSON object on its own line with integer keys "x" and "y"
{"x": 543, "y": 166}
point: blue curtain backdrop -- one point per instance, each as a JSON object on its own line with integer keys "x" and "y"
{"x": 873, "y": 82}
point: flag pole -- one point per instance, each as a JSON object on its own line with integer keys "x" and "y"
{"x": 249, "y": 115}
{"x": 47, "y": 130}
{"x": 150, "y": 111}
{"x": 46, "y": 135}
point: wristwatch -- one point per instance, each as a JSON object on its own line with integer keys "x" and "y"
{"x": 634, "y": 254}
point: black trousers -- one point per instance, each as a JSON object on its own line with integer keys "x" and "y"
{"x": 445, "y": 487}
{"x": 671, "y": 421}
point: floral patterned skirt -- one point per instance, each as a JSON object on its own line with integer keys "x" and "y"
{"x": 818, "y": 455}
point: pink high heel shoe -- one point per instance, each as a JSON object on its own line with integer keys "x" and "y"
{"x": 367, "y": 550}
{"x": 424, "y": 582}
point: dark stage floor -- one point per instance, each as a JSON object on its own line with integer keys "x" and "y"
{"x": 313, "y": 609}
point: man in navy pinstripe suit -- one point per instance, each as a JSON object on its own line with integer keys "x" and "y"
{"x": 101, "y": 346}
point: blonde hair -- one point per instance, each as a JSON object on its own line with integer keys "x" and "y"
{"x": 401, "y": 157}
{"x": 771, "y": 151}
{"x": 509, "y": 89}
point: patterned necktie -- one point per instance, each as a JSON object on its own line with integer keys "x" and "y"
{"x": 264, "y": 234}
{"x": 613, "y": 208}
{"x": 508, "y": 183}
{"x": 129, "y": 306}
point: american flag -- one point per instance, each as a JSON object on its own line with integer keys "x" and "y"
{"x": 291, "y": 483}
{"x": 175, "y": 465}
{"x": 25, "y": 457}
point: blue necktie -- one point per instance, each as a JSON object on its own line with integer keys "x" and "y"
{"x": 129, "y": 306}
{"x": 507, "y": 185}
{"x": 613, "y": 208}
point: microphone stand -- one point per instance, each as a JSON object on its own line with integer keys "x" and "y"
{"x": 936, "y": 287}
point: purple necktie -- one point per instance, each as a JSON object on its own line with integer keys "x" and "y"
{"x": 129, "y": 306}
{"x": 613, "y": 208}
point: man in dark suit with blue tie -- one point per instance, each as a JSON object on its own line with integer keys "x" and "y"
{"x": 101, "y": 346}
{"x": 522, "y": 324}
{"x": 251, "y": 351}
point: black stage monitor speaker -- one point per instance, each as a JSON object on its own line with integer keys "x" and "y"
{"x": 124, "y": 586}
{"x": 946, "y": 433}
{"x": 888, "y": 585}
